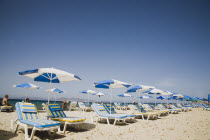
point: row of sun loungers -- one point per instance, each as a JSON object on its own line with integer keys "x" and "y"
{"x": 118, "y": 106}
{"x": 28, "y": 116}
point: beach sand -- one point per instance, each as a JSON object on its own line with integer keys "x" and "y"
{"x": 193, "y": 125}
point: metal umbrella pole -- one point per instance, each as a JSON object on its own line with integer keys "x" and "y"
{"x": 49, "y": 93}
{"x": 26, "y": 95}
{"x": 100, "y": 97}
{"x": 88, "y": 99}
{"x": 111, "y": 101}
{"x": 54, "y": 98}
{"x": 155, "y": 98}
{"x": 124, "y": 102}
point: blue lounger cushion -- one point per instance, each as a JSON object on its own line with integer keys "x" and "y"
{"x": 102, "y": 112}
{"x": 27, "y": 114}
{"x": 40, "y": 123}
{"x": 56, "y": 113}
{"x": 114, "y": 116}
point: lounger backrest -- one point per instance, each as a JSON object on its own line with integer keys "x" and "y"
{"x": 56, "y": 111}
{"x": 160, "y": 106}
{"x": 26, "y": 111}
{"x": 179, "y": 104}
{"x": 107, "y": 107}
{"x": 173, "y": 106}
{"x": 204, "y": 105}
{"x": 140, "y": 107}
{"x": 81, "y": 105}
{"x": 134, "y": 108}
{"x": 73, "y": 104}
{"x": 87, "y": 104}
{"x": 140, "y": 104}
{"x": 147, "y": 106}
{"x": 99, "y": 109}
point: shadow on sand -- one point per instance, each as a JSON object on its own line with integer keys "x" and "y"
{"x": 83, "y": 127}
{"x": 6, "y": 135}
{"x": 43, "y": 135}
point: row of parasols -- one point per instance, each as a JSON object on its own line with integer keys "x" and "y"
{"x": 52, "y": 75}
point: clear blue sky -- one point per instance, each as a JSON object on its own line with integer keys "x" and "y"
{"x": 161, "y": 43}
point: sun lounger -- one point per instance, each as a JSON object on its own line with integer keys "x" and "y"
{"x": 117, "y": 106}
{"x": 107, "y": 107}
{"x": 29, "y": 118}
{"x": 185, "y": 108}
{"x": 150, "y": 109}
{"x": 197, "y": 105}
{"x": 205, "y": 107}
{"x": 174, "y": 107}
{"x": 73, "y": 106}
{"x": 84, "y": 107}
{"x": 5, "y": 108}
{"x": 120, "y": 107}
{"x": 56, "y": 113}
{"x": 138, "y": 112}
{"x": 102, "y": 113}
{"x": 188, "y": 106}
{"x": 44, "y": 106}
{"x": 140, "y": 104}
{"x": 162, "y": 107}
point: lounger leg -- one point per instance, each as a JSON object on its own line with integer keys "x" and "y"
{"x": 148, "y": 117}
{"x": 142, "y": 117}
{"x": 32, "y": 133}
{"x": 64, "y": 128}
{"x": 107, "y": 120}
{"x": 115, "y": 121}
{"x": 12, "y": 125}
{"x": 26, "y": 132}
{"x": 16, "y": 128}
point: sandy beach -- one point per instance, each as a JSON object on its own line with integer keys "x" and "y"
{"x": 193, "y": 125}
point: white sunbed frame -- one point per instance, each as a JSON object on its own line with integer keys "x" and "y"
{"x": 108, "y": 118}
{"x": 65, "y": 123}
{"x": 148, "y": 115}
{"x": 26, "y": 127}
{"x": 85, "y": 108}
{"x": 73, "y": 106}
{"x": 65, "y": 126}
{"x": 99, "y": 117}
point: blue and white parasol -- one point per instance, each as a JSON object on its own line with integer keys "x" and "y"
{"x": 88, "y": 92}
{"x": 27, "y": 86}
{"x": 110, "y": 84}
{"x": 50, "y": 75}
{"x": 55, "y": 90}
{"x": 139, "y": 88}
{"x": 124, "y": 95}
{"x": 99, "y": 94}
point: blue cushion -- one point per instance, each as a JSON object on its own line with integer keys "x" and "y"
{"x": 115, "y": 116}
{"x": 40, "y": 123}
{"x": 27, "y": 107}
